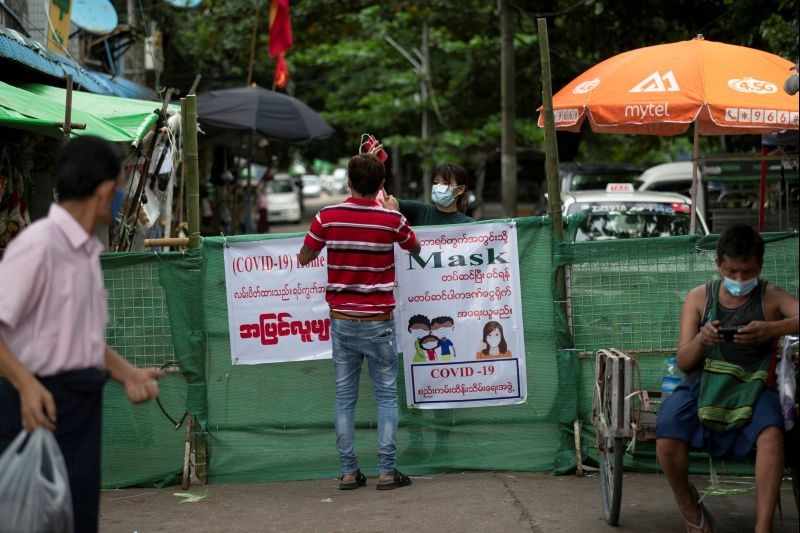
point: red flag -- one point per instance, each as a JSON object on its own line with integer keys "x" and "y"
{"x": 281, "y": 72}
{"x": 280, "y": 27}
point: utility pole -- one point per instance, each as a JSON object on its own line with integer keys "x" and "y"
{"x": 508, "y": 156}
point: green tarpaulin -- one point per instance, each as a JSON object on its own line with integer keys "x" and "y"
{"x": 40, "y": 108}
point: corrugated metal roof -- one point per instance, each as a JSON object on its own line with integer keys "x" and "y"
{"x": 19, "y": 49}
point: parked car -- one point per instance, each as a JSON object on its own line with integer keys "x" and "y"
{"x": 312, "y": 187}
{"x": 621, "y": 212}
{"x": 283, "y": 200}
{"x": 595, "y": 176}
{"x": 337, "y": 182}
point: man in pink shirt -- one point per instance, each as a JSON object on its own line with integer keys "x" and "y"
{"x": 53, "y": 312}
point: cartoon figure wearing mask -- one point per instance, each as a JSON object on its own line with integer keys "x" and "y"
{"x": 442, "y": 327}
{"x": 419, "y": 326}
{"x": 431, "y": 346}
{"x": 494, "y": 344}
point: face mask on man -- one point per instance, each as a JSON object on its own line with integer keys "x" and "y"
{"x": 739, "y": 288}
{"x": 442, "y": 195}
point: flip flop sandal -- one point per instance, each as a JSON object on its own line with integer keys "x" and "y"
{"x": 359, "y": 481}
{"x": 400, "y": 480}
{"x": 705, "y": 514}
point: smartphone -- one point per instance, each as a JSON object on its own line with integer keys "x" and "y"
{"x": 728, "y": 332}
{"x": 372, "y": 141}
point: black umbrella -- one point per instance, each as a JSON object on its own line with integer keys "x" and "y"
{"x": 255, "y": 109}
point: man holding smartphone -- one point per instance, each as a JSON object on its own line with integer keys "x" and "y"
{"x": 729, "y": 325}
{"x": 360, "y": 236}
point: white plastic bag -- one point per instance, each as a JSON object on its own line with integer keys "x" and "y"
{"x": 787, "y": 382}
{"x": 34, "y": 487}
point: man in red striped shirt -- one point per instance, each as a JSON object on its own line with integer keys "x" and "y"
{"x": 360, "y": 236}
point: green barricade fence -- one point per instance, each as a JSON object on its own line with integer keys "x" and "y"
{"x": 275, "y": 421}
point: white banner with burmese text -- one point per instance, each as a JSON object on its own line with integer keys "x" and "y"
{"x": 459, "y": 318}
{"x": 276, "y": 309}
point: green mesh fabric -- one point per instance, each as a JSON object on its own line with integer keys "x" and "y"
{"x": 275, "y": 421}
{"x": 155, "y": 318}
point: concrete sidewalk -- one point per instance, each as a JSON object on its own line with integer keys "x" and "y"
{"x": 473, "y": 501}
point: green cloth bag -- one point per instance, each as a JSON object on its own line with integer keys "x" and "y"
{"x": 728, "y": 391}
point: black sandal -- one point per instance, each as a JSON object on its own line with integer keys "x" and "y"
{"x": 359, "y": 481}
{"x": 400, "y": 480}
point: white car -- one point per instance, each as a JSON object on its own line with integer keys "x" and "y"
{"x": 620, "y": 212}
{"x": 283, "y": 201}
{"x": 311, "y": 186}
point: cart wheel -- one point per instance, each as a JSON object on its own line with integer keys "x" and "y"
{"x": 611, "y": 455}
{"x": 611, "y": 452}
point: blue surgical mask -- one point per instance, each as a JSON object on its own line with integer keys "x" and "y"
{"x": 116, "y": 203}
{"x": 442, "y": 195}
{"x": 739, "y": 288}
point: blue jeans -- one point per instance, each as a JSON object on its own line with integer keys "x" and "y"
{"x": 354, "y": 341}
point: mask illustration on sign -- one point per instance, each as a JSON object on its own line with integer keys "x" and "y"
{"x": 420, "y": 333}
{"x": 430, "y": 345}
{"x": 493, "y": 339}
{"x": 443, "y": 332}
{"x": 739, "y": 288}
{"x": 442, "y": 195}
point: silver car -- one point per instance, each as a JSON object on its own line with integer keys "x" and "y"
{"x": 620, "y": 212}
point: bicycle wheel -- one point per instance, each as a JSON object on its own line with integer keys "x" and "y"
{"x": 611, "y": 452}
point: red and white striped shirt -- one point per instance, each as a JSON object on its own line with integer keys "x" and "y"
{"x": 360, "y": 237}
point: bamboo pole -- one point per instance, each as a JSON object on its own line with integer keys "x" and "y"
{"x": 166, "y": 241}
{"x": 551, "y": 147}
{"x": 190, "y": 159}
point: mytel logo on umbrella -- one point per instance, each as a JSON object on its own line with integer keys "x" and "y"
{"x": 752, "y": 85}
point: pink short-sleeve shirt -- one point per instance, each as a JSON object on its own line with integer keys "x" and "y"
{"x": 53, "y": 309}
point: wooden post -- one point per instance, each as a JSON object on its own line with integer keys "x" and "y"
{"x": 68, "y": 109}
{"x": 190, "y": 159}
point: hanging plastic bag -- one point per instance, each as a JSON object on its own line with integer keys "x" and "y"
{"x": 34, "y": 487}
{"x": 787, "y": 382}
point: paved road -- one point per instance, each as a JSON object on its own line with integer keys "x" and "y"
{"x": 465, "y": 502}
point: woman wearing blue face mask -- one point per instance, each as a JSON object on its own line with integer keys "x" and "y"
{"x": 448, "y": 199}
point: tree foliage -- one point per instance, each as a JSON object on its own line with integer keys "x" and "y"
{"x": 343, "y": 65}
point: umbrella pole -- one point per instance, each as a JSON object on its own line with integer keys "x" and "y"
{"x": 695, "y": 184}
{"x": 762, "y": 190}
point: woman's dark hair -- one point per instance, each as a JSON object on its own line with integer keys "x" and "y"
{"x": 366, "y": 174}
{"x": 452, "y": 172}
{"x": 740, "y": 242}
{"x": 82, "y": 164}
{"x": 491, "y": 325}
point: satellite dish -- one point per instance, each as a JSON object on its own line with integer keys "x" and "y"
{"x": 95, "y": 16}
{"x": 183, "y": 3}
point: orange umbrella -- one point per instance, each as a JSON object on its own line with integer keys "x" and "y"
{"x": 660, "y": 90}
